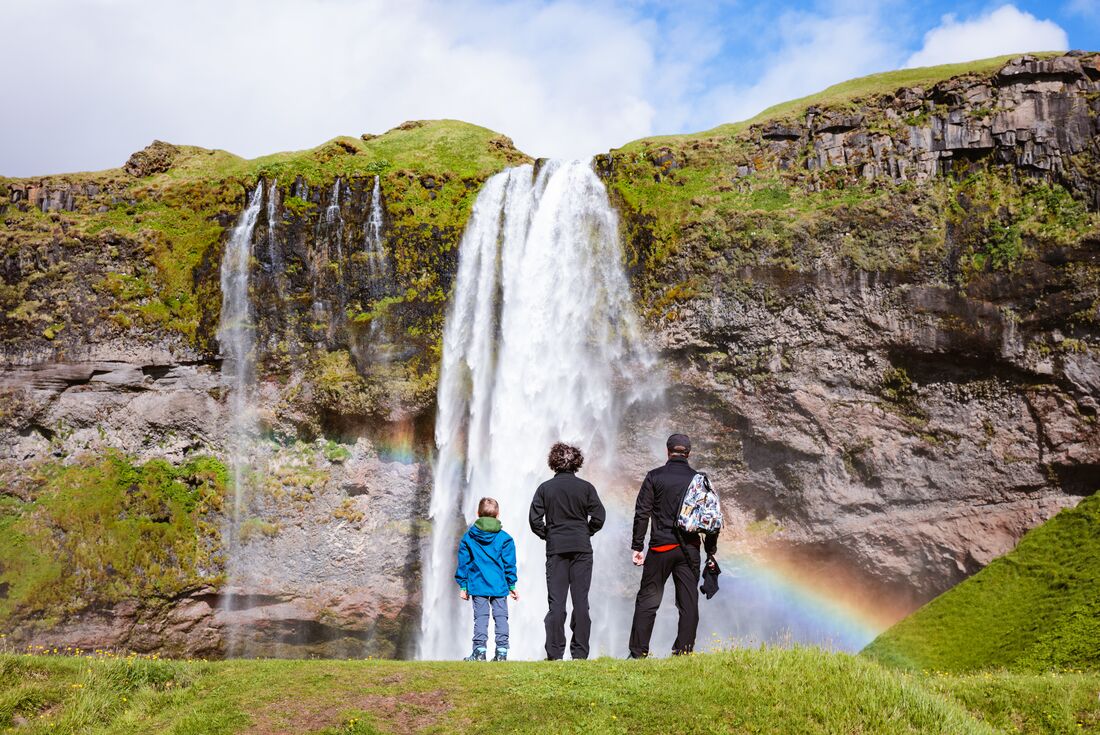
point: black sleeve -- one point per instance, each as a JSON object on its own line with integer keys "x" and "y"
{"x": 643, "y": 508}
{"x": 596, "y": 513}
{"x": 710, "y": 543}
{"x": 536, "y": 516}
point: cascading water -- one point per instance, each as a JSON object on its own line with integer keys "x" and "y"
{"x": 335, "y": 221}
{"x": 272, "y": 249}
{"x": 373, "y": 243}
{"x": 541, "y": 344}
{"x": 236, "y": 337}
{"x": 376, "y": 261}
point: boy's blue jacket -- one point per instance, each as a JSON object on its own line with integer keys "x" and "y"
{"x": 486, "y": 560}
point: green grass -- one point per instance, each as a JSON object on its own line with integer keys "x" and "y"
{"x": 1036, "y": 608}
{"x": 800, "y": 690}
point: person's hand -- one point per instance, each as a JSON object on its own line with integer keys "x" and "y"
{"x": 464, "y": 594}
{"x": 515, "y": 595}
{"x": 638, "y": 558}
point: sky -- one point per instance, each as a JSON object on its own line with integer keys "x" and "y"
{"x": 87, "y": 82}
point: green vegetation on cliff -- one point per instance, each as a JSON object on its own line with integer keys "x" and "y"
{"x": 147, "y": 237}
{"x": 747, "y": 691}
{"x": 1036, "y": 608}
{"x": 899, "y": 172}
{"x": 102, "y": 530}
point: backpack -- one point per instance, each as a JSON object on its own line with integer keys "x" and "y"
{"x": 700, "y": 509}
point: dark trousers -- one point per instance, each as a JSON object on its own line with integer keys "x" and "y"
{"x": 684, "y": 568}
{"x": 568, "y": 573}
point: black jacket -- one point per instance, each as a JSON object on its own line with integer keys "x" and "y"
{"x": 572, "y": 511}
{"x": 659, "y": 501}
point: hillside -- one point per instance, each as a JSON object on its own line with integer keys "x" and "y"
{"x": 758, "y": 691}
{"x": 1036, "y": 608}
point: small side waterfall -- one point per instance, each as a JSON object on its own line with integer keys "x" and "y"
{"x": 335, "y": 221}
{"x": 376, "y": 261}
{"x": 374, "y": 228}
{"x": 236, "y": 337}
{"x": 541, "y": 344}
{"x": 272, "y": 249}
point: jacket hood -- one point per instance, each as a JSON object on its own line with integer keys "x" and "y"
{"x": 485, "y": 529}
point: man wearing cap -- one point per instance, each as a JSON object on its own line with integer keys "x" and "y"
{"x": 671, "y": 551}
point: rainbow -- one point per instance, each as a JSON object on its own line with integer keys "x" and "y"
{"x": 771, "y": 602}
{"x": 397, "y": 443}
{"x": 767, "y": 598}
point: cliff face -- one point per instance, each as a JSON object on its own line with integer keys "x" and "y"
{"x": 111, "y": 302}
{"x": 879, "y": 311}
{"x": 883, "y": 313}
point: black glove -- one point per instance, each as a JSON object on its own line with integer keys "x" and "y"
{"x": 710, "y": 577}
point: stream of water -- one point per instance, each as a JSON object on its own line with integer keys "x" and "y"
{"x": 237, "y": 339}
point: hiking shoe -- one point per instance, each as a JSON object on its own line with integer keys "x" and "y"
{"x": 477, "y": 655}
{"x": 501, "y": 655}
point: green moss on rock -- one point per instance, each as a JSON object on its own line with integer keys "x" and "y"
{"x": 105, "y": 529}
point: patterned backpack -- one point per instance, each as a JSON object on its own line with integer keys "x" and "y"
{"x": 700, "y": 510}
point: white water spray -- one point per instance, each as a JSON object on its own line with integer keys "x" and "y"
{"x": 237, "y": 339}
{"x": 541, "y": 344}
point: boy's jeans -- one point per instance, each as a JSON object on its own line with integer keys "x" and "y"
{"x": 481, "y": 620}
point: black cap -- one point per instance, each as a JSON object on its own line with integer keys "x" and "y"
{"x": 679, "y": 442}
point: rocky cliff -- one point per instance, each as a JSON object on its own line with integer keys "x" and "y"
{"x": 879, "y": 308}
{"x": 882, "y": 307}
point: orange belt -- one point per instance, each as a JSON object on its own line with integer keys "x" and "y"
{"x": 666, "y": 547}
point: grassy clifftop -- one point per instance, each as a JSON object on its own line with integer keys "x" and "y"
{"x": 941, "y": 170}
{"x": 92, "y": 255}
{"x": 761, "y": 691}
{"x": 1037, "y": 607}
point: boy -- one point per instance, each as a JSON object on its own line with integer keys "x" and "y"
{"x": 487, "y": 573}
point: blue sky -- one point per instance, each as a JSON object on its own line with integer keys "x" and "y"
{"x": 99, "y": 79}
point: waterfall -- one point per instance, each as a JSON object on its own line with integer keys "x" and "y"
{"x": 272, "y": 251}
{"x": 540, "y": 344}
{"x": 376, "y": 260}
{"x": 236, "y": 337}
{"x": 374, "y": 229}
{"x": 333, "y": 219}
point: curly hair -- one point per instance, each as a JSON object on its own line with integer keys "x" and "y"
{"x": 565, "y": 458}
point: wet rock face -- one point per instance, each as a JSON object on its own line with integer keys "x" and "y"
{"x": 905, "y": 422}
{"x": 906, "y": 432}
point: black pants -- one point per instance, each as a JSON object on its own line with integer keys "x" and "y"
{"x": 684, "y": 569}
{"x": 570, "y": 573}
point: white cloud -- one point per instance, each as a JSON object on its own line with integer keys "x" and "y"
{"x": 97, "y": 79}
{"x": 811, "y": 53}
{"x": 90, "y": 81}
{"x": 1005, "y": 30}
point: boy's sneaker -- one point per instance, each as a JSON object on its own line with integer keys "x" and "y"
{"x": 477, "y": 655}
{"x": 501, "y": 655}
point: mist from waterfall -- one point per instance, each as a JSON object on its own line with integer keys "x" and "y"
{"x": 237, "y": 340}
{"x": 541, "y": 344}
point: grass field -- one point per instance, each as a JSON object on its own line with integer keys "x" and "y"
{"x": 802, "y": 690}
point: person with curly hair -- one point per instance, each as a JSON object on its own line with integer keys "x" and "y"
{"x": 565, "y": 512}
